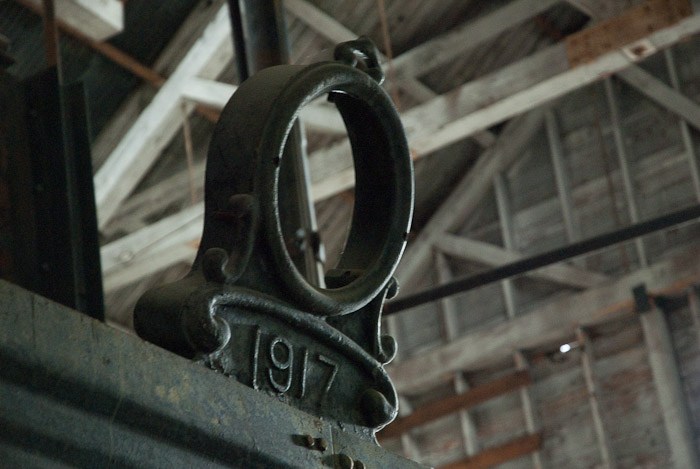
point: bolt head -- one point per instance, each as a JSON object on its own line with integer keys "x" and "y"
{"x": 308, "y": 441}
{"x": 345, "y": 462}
{"x": 321, "y": 444}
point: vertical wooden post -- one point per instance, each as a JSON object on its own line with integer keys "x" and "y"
{"x": 408, "y": 445}
{"x": 668, "y": 384}
{"x": 587, "y": 358}
{"x": 624, "y": 166}
{"x": 448, "y": 315}
{"x": 561, "y": 177}
{"x": 528, "y": 409}
{"x": 505, "y": 217}
{"x": 694, "y": 305}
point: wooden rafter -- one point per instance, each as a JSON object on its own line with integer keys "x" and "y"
{"x": 493, "y": 256}
{"x": 505, "y": 452}
{"x": 445, "y": 119}
{"x": 468, "y": 192}
{"x": 156, "y": 125}
{"x": 662, "y": 94}
{"x": 467, "y": 400}
{"x": 147, "y": 203}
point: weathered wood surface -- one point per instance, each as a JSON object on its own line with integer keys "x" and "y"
{"x": 554, "y": 321}
{"x": 499, "y": 454}
{"x": 471, "y": 398}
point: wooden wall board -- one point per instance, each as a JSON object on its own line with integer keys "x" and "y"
{"x": 499, "y": 420}
{"x": 627, "y": 397}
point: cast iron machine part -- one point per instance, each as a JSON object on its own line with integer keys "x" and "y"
{"x": 244, "y": 309}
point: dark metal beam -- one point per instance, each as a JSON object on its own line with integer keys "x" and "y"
{"x": 540, "y": 260}
{"x": 50, "y": 242}
{"x": 260, "y": 40}
{"x": 259, "y": 35}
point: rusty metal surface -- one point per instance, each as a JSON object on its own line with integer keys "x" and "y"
{"x": 245, "y": 310}
{"x": 77, "y": 393}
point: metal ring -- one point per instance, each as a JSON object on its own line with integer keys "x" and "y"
{"x": 383, "y": 209}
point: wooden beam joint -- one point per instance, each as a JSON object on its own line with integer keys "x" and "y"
{"x": 626, "y": 31}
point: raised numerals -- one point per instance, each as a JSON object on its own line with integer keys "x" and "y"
{"x": 288, "y": 369}
{"x": 331, "y": 376}
{"x": 280, "y": 346}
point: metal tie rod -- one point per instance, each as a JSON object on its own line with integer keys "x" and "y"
{"x": 554, "y": 256}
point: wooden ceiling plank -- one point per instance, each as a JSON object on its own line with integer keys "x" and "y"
{"x": 528, "y": 405}
{"x": 161, "y": 119}
{"x": 458, "y": 41}
{"x": 607, "y": 456}
{"x": 149, "y": 203}
{"x": 683, "y": 125}
{"x": 553, "y": 322}
{"x": 625, "y": 169}
{"x": 320, "y": 21}
{"x": 561, "y": 177}
{"x": 212, "y": 93}
{"x": 505, "y": 218}
{"x": 450, "y": 329}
